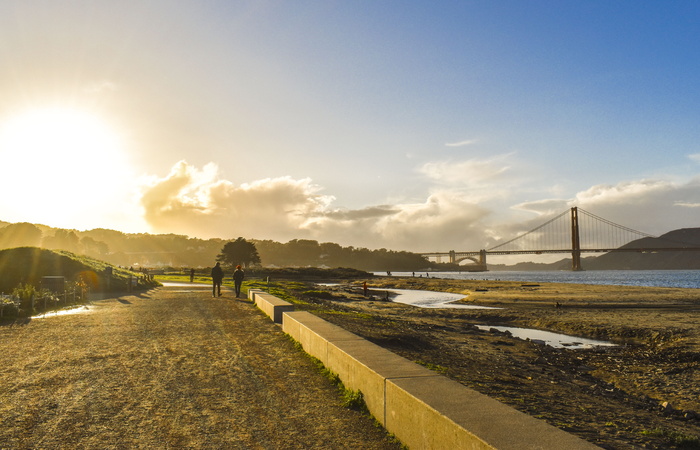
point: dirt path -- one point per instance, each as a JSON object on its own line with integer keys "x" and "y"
{"x": 170, "y": 368}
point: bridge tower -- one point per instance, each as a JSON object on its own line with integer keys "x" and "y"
{"x": 575, "y": 242}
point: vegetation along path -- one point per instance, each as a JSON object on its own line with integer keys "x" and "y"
{"x": 169, "y": 368}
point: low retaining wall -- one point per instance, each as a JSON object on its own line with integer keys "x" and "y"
{"x": 270, "y": 305}
{"x": 421, "y": 408}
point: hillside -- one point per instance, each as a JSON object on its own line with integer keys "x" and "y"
{"x": 666, "y": 260}
{"x": 30, "y": 264}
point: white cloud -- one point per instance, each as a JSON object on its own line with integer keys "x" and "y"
{"x": 653, "y": 206}
{"x": 100, "y": 86}
{"x": 687, "y": 204}
{"x": 461, "y": 143}
{"x": 199, "y": 203}
{"x": 695, "y": 157}
{"x": 544, "y": 207}
{"x": 470, "y": 173}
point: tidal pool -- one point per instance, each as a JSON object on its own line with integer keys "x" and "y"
{"x": 431, "y": 299}
{"x": 63, "y": 312}
{"x": 555, "y": 340}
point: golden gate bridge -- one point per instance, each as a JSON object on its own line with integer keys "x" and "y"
{"x": 575, "y": 231}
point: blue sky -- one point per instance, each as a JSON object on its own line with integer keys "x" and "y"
{"x": 423, "y": 126}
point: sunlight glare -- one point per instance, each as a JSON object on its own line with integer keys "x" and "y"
{"x": 56, "y": 157}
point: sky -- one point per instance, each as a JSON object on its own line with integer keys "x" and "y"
{"x": 405, "y": 125}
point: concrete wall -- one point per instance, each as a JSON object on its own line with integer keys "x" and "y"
{"x": 421, "y": 408}
{"x": 270, "y": 305}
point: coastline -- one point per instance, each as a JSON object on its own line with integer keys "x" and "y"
{"x": 644, "y": 392}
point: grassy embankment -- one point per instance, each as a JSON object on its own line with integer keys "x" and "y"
{"x": 22, "y": 270}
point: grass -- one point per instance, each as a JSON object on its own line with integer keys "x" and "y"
{"x": 434, "y": 367}
{"x": 358, "y": 315}
{"x": 319, "y": 294}
{"x": 29, "y": 264}
{"x": 178, "y": 278}
{"x": 351, "y": 399}
{"x": 677, "y": 439}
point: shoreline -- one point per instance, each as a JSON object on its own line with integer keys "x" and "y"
{"x": 616, "y": 397}
{"x": 686, "y": 279}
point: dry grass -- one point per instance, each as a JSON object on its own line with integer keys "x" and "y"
{"x": 173, "y": 368}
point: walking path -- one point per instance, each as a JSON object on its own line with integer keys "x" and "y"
{"x": 169, "y": 368}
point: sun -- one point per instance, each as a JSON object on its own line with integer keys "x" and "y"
{"x": 58, "y": 160}
{"x": 63, "y": 137}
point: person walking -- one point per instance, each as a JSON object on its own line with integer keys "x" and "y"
{"x": 238, "y": 276}
{"x": 217, "y": 277}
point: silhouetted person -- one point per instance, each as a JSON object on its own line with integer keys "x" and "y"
{"x": 217, "y": 277}
{"x": 191, "y": 275}
{"x": 238, "y": 276}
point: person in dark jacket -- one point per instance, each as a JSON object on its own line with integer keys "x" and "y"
{"x": 217, "y": 277}
{"x": 238, "y": 276}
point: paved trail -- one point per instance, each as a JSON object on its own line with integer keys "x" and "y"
{"x": 169, "y": 368}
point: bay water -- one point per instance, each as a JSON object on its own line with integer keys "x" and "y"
{"x": 652, "y": 278}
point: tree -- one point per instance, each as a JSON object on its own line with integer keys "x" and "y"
{"x": 20, "y": 235}
{"x": 239, "y": 251}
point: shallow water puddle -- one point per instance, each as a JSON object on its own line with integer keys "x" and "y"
{"x": 555, "y": 340}
{"x": 183, "y": 284}
{"x": 431, "y": 299}
{"x": 63, "y": 312}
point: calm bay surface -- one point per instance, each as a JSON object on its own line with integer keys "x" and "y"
{"x": 653, "y": 278}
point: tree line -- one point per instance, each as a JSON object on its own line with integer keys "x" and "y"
{"x": 171, "y": 250}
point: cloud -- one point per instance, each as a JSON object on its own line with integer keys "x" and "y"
{"x": 695, "y": 157}
{"x": 198, "y": 203}
{"x": 444, "y": 221}
{"x": 100, "y": 86}
{"x": 687, "y": 204}
{"x": 470, "y": 173}
{"x": 544, "y": 207}
{"x": 461, "y": 143}
{"x": 371, "y": 212}
{"x": 653, "y": 206}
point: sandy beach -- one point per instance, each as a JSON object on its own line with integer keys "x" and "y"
{"x": 643, "y": 392}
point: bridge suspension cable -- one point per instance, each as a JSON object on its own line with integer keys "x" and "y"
{"x": 597, "y": 232}
{"x": 556, "y": 234}
{"x": 547, "y": 235}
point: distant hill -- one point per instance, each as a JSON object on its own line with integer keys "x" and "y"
{"x": 650, "y": 260}
{"x": 647, "y": 260}
{"x": 30, "y": 264}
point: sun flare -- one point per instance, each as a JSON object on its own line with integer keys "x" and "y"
{"x": 54, "y": 157}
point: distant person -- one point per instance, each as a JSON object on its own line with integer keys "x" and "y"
{"x": 217, "y": 277}
{"x": 191, "y": 275}
{"x": 238, "y": 276}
